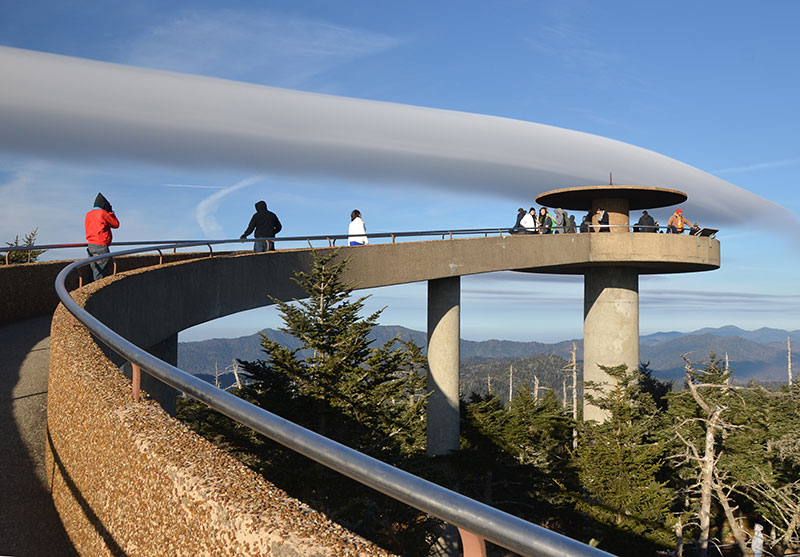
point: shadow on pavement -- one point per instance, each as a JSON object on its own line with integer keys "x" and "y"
{"x": 29, "y": 523}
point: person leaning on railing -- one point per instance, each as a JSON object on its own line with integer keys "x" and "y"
{"x": 98, "y": 224}
{"x": 264, "y": 224}
{"x": 646, "y": 223}
{"x": 676, "y": 222}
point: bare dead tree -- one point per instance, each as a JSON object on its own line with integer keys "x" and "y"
{"x": 510, "y": 382}
{"x": 574, "y": 394}
{"x": 236, "y": 377}
{"x": 709, "y": 483}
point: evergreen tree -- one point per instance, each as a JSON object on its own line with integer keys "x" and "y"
{"x": 369, "y": 398}
{"x": 23, "y": 256}
{"x": 516, "y": 458}
{"x": 620, "y": 465}
{"x": 539, "y": 431}
{"x": 657, "y": 388}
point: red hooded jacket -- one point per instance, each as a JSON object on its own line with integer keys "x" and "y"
{"x": 98, "y": 225}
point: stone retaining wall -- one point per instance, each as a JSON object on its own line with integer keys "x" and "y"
{"x": 127, "y": 479}
{"x": 27, "y": 289}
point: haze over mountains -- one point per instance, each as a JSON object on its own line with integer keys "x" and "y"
{"x": 759, "y": 355}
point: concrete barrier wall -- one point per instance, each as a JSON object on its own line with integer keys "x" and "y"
{"x": 26, "y": 289}
{"x": 127, "y": 479}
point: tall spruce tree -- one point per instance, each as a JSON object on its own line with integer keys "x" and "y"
{"x": 516, "y": 458}
{"x": 369, "y": 398}
{"x": 620, "y": 465}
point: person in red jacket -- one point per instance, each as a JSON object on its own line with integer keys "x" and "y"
{"x": 98, "y": 223}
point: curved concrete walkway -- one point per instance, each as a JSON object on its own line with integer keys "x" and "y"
{"x": 29, "y": 524}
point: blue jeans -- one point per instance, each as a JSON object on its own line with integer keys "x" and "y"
{"x": 260, "y": 246}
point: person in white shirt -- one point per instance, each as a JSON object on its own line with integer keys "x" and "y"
{"x": 357, "y": 233}
{"x": 528, "y": 222}
{"x": 757, "y": 545}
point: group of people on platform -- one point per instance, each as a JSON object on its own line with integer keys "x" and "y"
{"x": 557, "y": 222}
{"x": 561, "y": 222}
{"x": 675, "y": 225}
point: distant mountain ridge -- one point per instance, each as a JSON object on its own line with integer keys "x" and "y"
{"x": 759, "y": 354}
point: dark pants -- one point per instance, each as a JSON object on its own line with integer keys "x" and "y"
{"x": 99, "y": 268}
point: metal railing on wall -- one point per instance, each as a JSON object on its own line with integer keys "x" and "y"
{"x": 475, "y": 521}
{"x": 332, "y": 239}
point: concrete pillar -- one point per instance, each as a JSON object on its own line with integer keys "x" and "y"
{"x": 166, "y": 396}
{"x": 618, "y": 213}
{"x": 610, "y": 325}
{"x": 444, "y": 358}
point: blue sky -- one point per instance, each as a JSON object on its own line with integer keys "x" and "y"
{"x": 713, "y": 85}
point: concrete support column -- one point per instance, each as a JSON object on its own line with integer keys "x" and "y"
{"x": 166, "y": 396}
{"x": 610, "y": 325}
{"x": 618, "y": 213}
{"x": 444, "y": 358}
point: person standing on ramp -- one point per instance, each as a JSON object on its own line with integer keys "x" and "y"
{"x": 98, "y": 224}
{"x": 266, "y": 225}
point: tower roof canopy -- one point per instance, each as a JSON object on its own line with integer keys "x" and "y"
{"x": 639, "y": 197}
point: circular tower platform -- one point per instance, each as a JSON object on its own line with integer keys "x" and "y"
{"x": 617, "y": 201}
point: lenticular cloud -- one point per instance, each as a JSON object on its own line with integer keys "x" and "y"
{"x": 80, "y": 109}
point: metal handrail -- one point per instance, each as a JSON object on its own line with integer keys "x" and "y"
{"x": 470, "y": 516}
{"x": 330, "y": 238}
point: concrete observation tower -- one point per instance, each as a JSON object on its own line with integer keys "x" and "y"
{"x": 612, "y": 267}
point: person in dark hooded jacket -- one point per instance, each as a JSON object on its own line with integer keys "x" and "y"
{"x": 98, "y": 224}
{"x": 646, "y": 223}
{"x": 266, "y": 225}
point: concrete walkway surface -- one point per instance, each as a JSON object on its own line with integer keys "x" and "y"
{"x": 29, "y": 524}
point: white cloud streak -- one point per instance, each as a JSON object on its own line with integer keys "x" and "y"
{"x": 759, "y": 166}
{"x": 193, "y": 186}
{"x": 78, "y": 109}
{"x": 204, "y": 212}
{"x": 252, "y": 46}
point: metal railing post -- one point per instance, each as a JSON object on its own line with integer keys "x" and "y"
{"x": 136, "y": 381}
{"x": 472, "y": 544}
